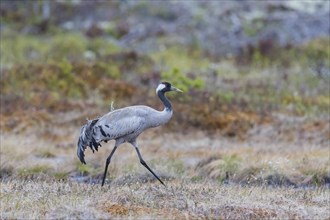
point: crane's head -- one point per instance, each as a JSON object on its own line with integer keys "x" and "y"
{"x": 166, "y": 87}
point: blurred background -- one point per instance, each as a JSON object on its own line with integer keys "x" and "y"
{"x": 252, "y": 71}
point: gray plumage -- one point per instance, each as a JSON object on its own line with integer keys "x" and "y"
{"x": 125, "y": 125}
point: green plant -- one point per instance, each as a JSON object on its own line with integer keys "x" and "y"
{"x": 185, "y": 60}
{"x": 84, "y": 169}
{"x": 23, "y": 49}
{"x": 45, "y": 154}
{"x": 33, "y": 171}
{"x": 176, "y": 166}
{"x": 182, "y": 81}
{"x": 102, "y": 47}
{"x": 61, "y": 175}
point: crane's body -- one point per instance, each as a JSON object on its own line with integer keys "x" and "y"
{"x": 125, "y": 125}
{"x": 128, "y": 123}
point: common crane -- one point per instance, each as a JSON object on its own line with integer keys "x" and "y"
{"x": 125, "y": 125}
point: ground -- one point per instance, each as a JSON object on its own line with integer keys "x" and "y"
{"x": 206, "y": 176}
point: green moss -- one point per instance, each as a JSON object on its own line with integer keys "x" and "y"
{"x": 182, "y": 59}
{"x": 102, "y": 47}
{"x": 32, "y": 171}
{"x": 226, "y": 97}
{"x": 197, "y": 179}
{"x": 22, "y": 49}
{"x": 107, "y": 69}
{"x": 312, "y": 54}
{"x": 177, "y": 166}
{"x": 69, "y": 46}
{"x": 182, "y": 81}
{"x": 317, "y": 49}
{"x": 61, "y": 175}
{"x": 45, "y": 154}
{"x": 259, "y": 60}
{"x": 129, "y": 168}
{"x": 85, "y": 169}
{"x": 253, "y": 27}
{"x": 231, "y": 163}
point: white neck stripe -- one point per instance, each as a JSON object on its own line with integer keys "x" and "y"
{"x": 160, "y": 87}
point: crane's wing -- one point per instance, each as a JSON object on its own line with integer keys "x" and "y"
{"x": 108, "y": 129}
{"x": 113, "y": 125}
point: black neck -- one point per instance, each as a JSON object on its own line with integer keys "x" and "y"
{"x": 167, "y": 104}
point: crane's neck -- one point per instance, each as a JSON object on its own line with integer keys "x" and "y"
{"x": 166, "y": 102}
{"x": 157, "y": 118}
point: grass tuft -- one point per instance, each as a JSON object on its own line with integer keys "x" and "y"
{"x": 33, "y": 172}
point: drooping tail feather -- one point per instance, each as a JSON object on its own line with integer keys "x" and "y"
{"x": 86, "y": 139}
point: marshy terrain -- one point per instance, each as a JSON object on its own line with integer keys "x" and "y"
{"x": 249, "y": 137}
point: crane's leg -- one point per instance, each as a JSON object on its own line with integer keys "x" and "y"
{"x": 107, "y": 164}
{"x": 144, "y": 163}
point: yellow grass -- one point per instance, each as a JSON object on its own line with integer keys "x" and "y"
{"x": 179, "y": 200}
{"x": 40, "y": 178}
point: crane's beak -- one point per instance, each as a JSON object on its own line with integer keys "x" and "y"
{"x": 175, "y": 89}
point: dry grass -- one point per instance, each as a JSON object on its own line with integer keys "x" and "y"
{"x": 196, "y": 156}
{"x": 207, "y": 176}
{"x": 179, "y": 200}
